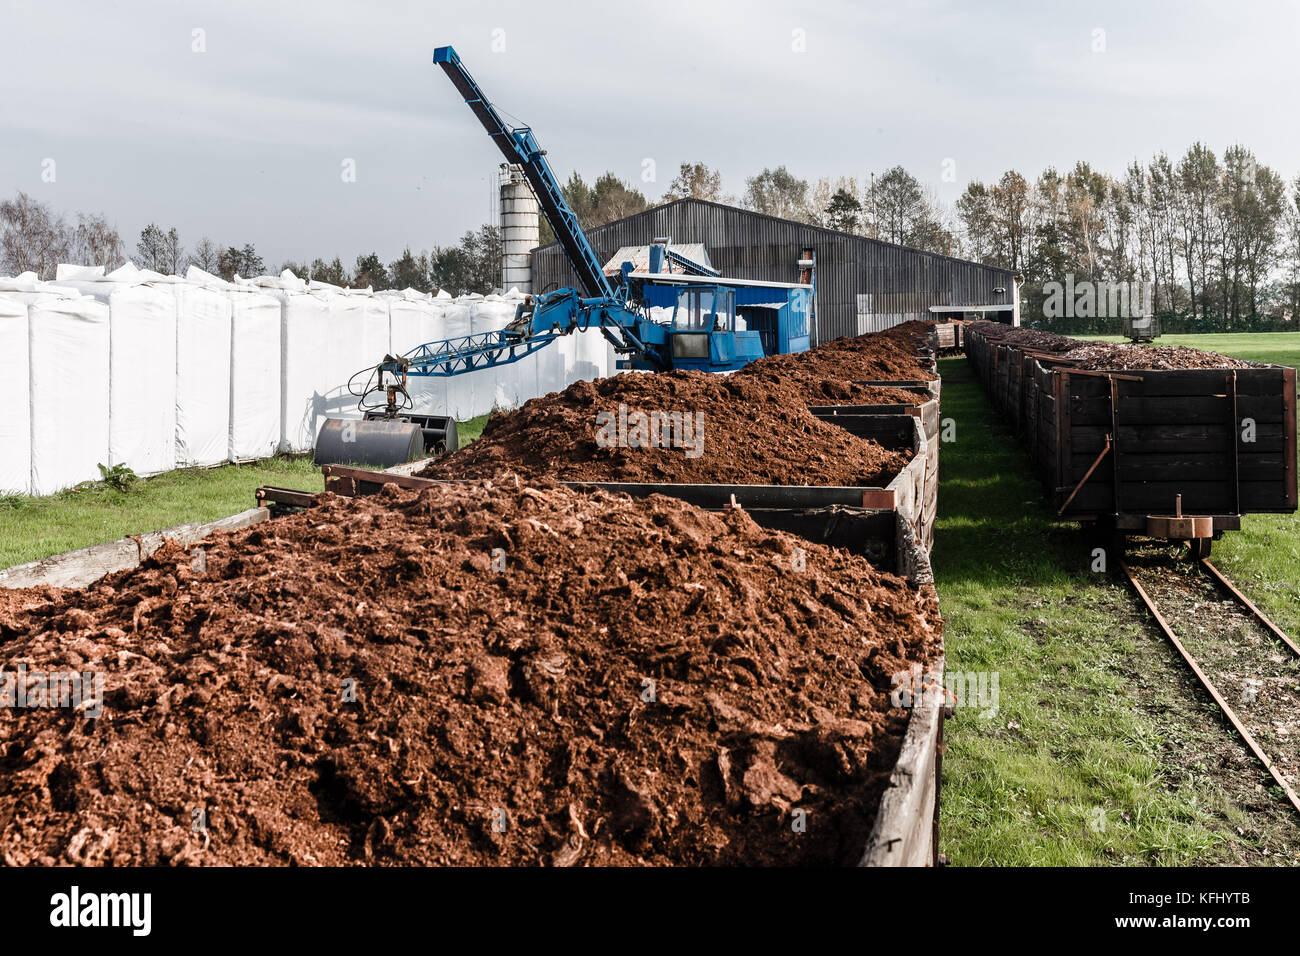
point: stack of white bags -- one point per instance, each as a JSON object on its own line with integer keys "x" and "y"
{"x": 157, "y": 372}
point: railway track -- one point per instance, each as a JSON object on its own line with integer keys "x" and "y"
{"x": 1237, "y": 654}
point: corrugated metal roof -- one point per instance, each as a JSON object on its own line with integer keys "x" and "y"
{"x": 639, "y": 256}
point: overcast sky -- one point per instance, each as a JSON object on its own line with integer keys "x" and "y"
{"x": 246, "y": 140}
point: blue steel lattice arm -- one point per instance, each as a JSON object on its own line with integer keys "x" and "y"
{"x": 519, "y": 147}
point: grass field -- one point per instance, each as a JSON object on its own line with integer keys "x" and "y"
{"x": 32, "y": 528}
{"x": 1103, "y": 750}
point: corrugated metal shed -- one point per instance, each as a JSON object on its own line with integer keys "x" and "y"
{"x": 862, "y": 284}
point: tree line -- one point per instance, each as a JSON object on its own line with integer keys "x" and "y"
{"x": 1215, "y": 239}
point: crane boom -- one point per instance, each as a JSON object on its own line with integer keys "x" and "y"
{"x": 518, "y": 146}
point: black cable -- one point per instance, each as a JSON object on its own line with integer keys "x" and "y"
{"x": 372, "y": 372}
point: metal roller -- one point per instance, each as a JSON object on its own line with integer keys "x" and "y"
{"x": 379, "y": 443}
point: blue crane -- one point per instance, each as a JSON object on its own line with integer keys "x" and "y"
{"x": 716, "y": 324}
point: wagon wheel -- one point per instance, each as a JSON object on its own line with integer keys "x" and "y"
{"x": 1199, "y": 548}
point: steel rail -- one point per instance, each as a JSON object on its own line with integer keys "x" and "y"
{"x": 1249, "y": 605}
{"x": 1214, "y": 691}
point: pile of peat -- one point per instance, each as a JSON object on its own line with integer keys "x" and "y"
{"x": 735, "y": 429}
{"x": 470, "y": 674}
{"x": 888, "y": 356}
{"x": 1107, "y": 356}
{"x": 1101, "y": 355}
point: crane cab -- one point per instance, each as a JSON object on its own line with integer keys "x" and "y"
{"x": 719, "y": 325}
{"x": 707, "y": 334}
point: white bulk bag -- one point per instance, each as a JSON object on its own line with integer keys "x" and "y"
{"x": 142, "y": 364}
{"x": 590, "y": 356}
{"x": 376, "y": 340}
{"x": 461, "y": 403}
{"x": 142, "y": 378}
{"x": 15, "y": 399}
{"x": 499, "y": 386}
{"x": 429, "y": 392}
{"x": 304, "y": 380}
{"x": 405, "y": 317}
{"x": 254, "y": 374}
{"x": 202, "y": 375}
{"x": 70, "y": 272}
{"x": 69, "y": 339}
{"x": 551, "y": 368}
{"x": 345, "y": 353}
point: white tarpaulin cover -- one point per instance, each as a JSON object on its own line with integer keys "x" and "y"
{"x": 498, "y": 386}
{"x": 303, "y": 354}
{"x": 345, "y": 352}
{"x": 142, "y": 378}
{"x": 202, "y": 375}
{"x": 459, "y": 388}
{"x": 69, "y": 343}
{"x": 142, "y": 365}
{"x": 254, "y": 374}
{"x": 15, "y": 399}
{"x": 406, "y": 311}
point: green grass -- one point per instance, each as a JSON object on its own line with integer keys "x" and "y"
{"x": 33, "y": 528}
{"x": 469, "y": 431}
{"x": 1103, "y": 750}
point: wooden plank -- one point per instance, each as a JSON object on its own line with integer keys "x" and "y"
{"x": 1199, "y": 497}
{"x": 890, "y": 431}
{"x": 1191, "y": 469}
{"x": 1289, "y": 490}
{"x": 366, "y": 475}
{"x": 1064, "y": 454}
{"x": 1209, "y": 381}
{"x": 902, "y": 834}
{"x": 74, "y": 569}
{"x": 1181, "y": 409}
{"x": 1178, "y": 439}
{"x": 1087, "y": 386}
{"x": 409, "y": 468}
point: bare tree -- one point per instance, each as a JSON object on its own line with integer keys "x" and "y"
{"x": 160, "y": 251}
{"x": 206, "y": 255}
{"x": 33, "y": 238}
{"x": 149, "y": 247}
{"x": 173, "y": 258}
{"x": 778, "y": 192}
{"x": 1198, "y": 183}
{"x": 695, "y": 181}
{"x": 95, "y": 243}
